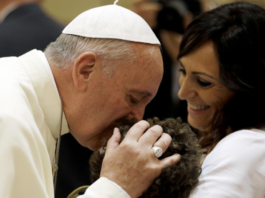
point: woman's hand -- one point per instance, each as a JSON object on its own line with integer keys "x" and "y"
{"x": 132, "y": 164}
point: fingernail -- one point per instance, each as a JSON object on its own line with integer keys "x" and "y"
{"x": 116, "y": 130}
{"x": 177, "y": 157}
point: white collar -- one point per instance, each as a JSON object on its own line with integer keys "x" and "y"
{"x": 48, "y": 69}
{"x": 40, "y": 74}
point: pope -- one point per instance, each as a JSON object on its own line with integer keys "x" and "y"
{"x": 104, "y": 67}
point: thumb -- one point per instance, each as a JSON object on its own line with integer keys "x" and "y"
{"x": 114, "y": 141}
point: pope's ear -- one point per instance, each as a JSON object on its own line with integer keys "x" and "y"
{"x": 83, "y": 67}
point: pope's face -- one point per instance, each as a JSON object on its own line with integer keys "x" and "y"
{"x": 109, "y": 98}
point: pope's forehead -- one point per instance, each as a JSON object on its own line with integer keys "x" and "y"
{"x": 146, "y": 52}
{"x": 149, "y": 62}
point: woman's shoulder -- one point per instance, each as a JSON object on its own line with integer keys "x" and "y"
{"x": 244, "y": 146}
{"x": 246, "y": 132}
{"x": 255, "y": 137}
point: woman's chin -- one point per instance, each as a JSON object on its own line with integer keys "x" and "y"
{"x": 197, "y": 124}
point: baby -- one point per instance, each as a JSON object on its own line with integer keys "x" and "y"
{"x": 175, "y": 181}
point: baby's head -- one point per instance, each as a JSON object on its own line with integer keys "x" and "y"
{"x": 175, "y": 181}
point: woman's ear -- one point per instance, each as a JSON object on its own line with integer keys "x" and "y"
{"x": 83, "y": 68}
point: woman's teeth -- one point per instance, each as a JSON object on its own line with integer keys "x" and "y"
{"x": 197, "y": 107}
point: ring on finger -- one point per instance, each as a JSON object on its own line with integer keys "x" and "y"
{"x": 157, "y": 151}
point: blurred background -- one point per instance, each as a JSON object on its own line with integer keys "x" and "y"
{"x": 65, "y": 10}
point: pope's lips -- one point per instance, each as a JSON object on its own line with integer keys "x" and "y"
{"x": 123, "y": 121}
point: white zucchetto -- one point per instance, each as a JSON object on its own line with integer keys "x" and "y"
{"x": 114, "y": 22}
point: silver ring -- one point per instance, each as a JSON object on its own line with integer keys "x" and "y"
{"x": 157, "y": 151}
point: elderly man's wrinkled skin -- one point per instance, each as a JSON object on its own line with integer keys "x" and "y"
{"x": 94, "y": 100}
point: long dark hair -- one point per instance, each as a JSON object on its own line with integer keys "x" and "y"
{"x": 238, "y": 33}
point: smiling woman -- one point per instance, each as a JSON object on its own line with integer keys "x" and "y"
{"x": 222, "y": 58}
{"x": 201, "y": 86}
{"x": 222, "y": 64}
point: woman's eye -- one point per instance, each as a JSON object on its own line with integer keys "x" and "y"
{"x": 204, "y": 83}
{"x": 181, "y": 70}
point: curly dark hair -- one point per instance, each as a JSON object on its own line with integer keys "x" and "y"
{"x": 175, "y": 181}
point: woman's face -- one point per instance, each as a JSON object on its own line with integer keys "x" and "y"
{"x": 201, "y": 86}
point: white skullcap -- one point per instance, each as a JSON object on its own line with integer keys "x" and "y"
{"x": 114, "y": 22}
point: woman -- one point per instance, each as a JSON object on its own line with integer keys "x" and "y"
{"x": 222, "y": 57}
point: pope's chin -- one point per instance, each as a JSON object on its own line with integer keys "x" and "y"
{"x": 93, "y": 144}
{"x": 94, "y": 141}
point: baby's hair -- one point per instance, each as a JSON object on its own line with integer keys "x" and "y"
{"x": 176, "y": 181}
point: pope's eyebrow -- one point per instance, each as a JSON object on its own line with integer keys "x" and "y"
{"x": 142, "y": 93}
{"x": 200, "y": 73}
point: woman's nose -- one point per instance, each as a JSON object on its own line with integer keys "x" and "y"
{"x": 187, "y": 89}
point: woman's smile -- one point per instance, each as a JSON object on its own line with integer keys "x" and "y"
{"x": 197, "y": 109}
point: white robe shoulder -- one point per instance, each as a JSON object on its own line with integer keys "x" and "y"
{"x": 30, "y": 112}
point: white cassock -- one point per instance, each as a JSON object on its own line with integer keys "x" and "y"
{"x": 30, "y": 110}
